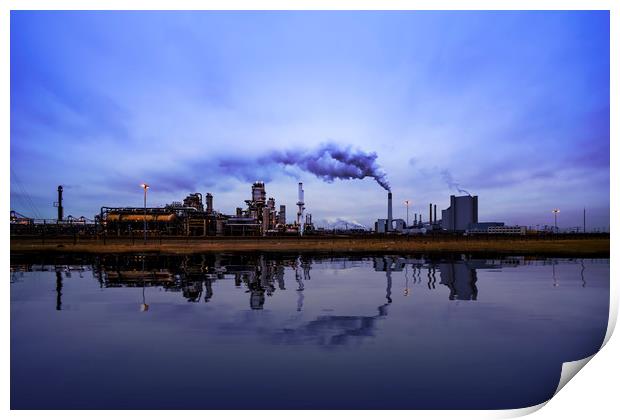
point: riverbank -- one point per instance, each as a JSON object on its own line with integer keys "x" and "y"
{"x": 589, "y": 246}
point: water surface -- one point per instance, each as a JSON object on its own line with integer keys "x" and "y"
{"x": 248, "y": 331}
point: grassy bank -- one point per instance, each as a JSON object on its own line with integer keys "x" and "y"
{"x": 507, "y": 245}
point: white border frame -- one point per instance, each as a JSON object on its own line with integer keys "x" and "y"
{"x": 596, "y": 386}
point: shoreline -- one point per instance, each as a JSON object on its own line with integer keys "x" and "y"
{"x": 598, "y": 247}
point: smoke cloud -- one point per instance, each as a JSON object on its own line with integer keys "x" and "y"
{"x": 331, "y": 161}
{"x": 448, "y": 179}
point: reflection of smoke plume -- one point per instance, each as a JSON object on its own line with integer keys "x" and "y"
{"x": 330, "y": 161}
{"x": 447, "y": 178}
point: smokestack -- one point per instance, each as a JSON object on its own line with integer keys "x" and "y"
{"x": 435, "y": 213}
{"x": 389, "y": 215}
{"x": 209, "y": 203}
{"x": 300, "y": 202}
{"x": 415, "y": 219}
{"x": 430, "y": 214}
{"x": 60, "y": 209}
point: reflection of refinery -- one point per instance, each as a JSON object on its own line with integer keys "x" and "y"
{"x": 261, "y": 276}
{"x": 195, "y": 279}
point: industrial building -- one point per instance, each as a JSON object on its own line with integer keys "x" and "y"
{"x": 260, "y": 217}
{"x": 390, "y": 224}
{"x": 400, "y": 226}
{"x": 495, "y": 228}
{"x": 463, "y": 211}
{"x": 460, "y": 217}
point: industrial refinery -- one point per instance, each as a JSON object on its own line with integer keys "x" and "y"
{"x": 196, "y": 216}
{"x": 193, "y": 217}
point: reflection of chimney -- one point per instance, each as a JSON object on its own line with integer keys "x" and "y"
{"x": 389, "y": 215}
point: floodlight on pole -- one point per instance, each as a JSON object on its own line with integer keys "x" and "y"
{"x": 407, "y": 204}
{"x": 145, "y": 187}
{"x": 555, "y": 218}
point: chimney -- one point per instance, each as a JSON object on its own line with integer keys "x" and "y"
{"x": 415, "y": 219}
{"x": 389, "y": 215}
{"x": 60, "y": 209}
{"x": 300, "y": 203}
{"x": 430, "y": 214}
{"x": 209, "y": 203}
{"x": 435, "y": 213}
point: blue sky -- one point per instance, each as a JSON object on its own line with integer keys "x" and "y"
{"x": 510, "y": 106}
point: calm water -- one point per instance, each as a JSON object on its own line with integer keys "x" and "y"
{"x": 260, "y": 331}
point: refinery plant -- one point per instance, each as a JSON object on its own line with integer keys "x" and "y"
{"x": 192, "y": 217}
{"x": 196, "y": 216}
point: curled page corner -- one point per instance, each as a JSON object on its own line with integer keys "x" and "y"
{"x": 613, "y": 317}
{"x": 570, "y": 369}
{"x": 521, "y": 412}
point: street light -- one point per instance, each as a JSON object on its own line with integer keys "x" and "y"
{"x": 555, "y": 218}
{"x": 145, "y": 187}
{"x": 407, "y": 204}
